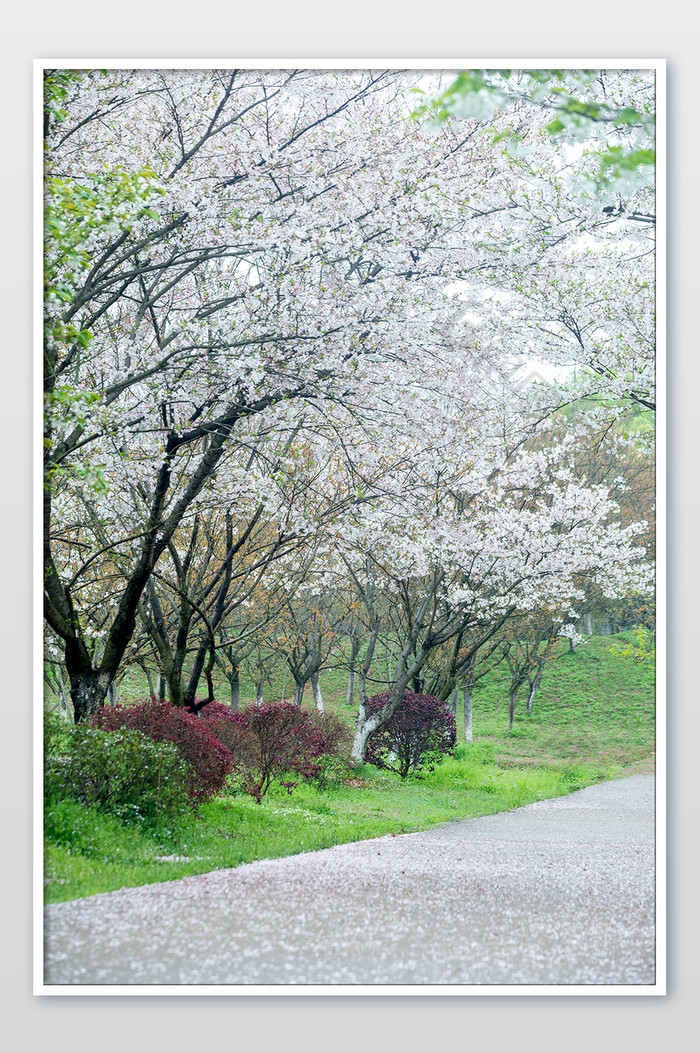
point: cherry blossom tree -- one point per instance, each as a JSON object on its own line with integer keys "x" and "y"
{"x": 570, "y": 274}
{"x": 472, "y": 535}
{"x": 219, "y": 246}
{"x": 238, "y": 257}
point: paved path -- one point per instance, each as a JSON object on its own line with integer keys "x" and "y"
{"x": 559, "y": 892}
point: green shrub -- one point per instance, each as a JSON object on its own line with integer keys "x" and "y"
{"x": 57, "y": 733}
{"x": 123, "y": 773}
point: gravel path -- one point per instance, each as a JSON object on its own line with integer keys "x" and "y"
{"x": 559, "y": 892}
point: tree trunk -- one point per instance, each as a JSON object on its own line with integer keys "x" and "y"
{"x": 587, "y": 624}
{"x": 359, "y": 742}
{"x": 299, "y": 686}
{"x": 175, "y": 688}
{"x": 235, "y": 685}
{"x": 259, "y": 693}
{"x": 362, "y": 731}
{"x": 160, "y": 687}
{"x": 58, "y": 686}
{"x": 467, "y": 709}
{"x": 350, "y": 694}
{"x": 355, "y": 650}
{"x": 453, "y": 701}
{"x": 316, "y": 688}
{"x": 88, "y": 693}
{"x": 149, "y": 680}
{"x": 534, "y": 688}
{"x": 512, "y": 695}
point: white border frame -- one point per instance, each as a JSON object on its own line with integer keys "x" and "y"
{"x": 659, "y": 986}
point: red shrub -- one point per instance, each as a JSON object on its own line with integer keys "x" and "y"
{"x": 234, "y": 733}
{"x": 209, "y": 760}
{"x": 271, "y": 739}
{"x": 337, "y": 734}
{"x": 422, "y": 728}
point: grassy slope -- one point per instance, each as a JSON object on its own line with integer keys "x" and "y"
{"x": 593, "y": 719}
{"x": 595, "y": 711}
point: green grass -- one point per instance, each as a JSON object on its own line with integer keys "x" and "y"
{"x": 593, "y": 719}
{"x": 88, "y": 852}
{"x": 594, "y": 712}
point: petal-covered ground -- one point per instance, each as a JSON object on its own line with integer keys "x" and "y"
{"x": 560, "y": 892}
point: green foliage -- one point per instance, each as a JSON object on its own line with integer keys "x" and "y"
{"x": 123, "y": 773}
{"x": 57, "y": 84}
{"x": 483, "y": 752}
{"x": 57, "y": 734}
{"x": 76, "y": 212}
{"x": 332, "y": 771}
{"x": 85, "y": 830}
{"x": 617, "y": 163}
{"x": 638, "y": 645}
{"x": 480, "y": 94}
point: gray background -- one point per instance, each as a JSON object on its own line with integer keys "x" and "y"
{"x": 364, "y": 29}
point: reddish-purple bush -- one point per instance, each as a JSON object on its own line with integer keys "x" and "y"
{"x": 422, "y": 729}
{"x": 270, "y": 740}
{"x": 209, "y": 760}
{"x": 337, "y": 734}
{"x": 234, "y": 733}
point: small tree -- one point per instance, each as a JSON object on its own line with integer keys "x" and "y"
{"x": 421, "y": 729}
{"x": 275, "y": 739}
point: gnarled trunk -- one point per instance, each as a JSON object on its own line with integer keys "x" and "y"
{"x": 234, "y": 681}
{"x": 361, "y": 737}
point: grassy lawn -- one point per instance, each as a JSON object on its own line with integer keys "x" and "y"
{"x": 594, "y": 711}
{"x": 593, "y": 719}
